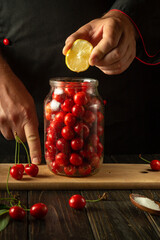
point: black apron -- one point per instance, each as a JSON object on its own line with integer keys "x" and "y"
{"x": 37, "y": 31}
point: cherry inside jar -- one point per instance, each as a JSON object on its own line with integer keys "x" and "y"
{"x": 73, "y": 127}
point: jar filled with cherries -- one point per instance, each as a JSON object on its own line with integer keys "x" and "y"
{"x": 73, "y": 127}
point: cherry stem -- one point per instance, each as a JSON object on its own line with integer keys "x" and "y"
{"x": 25, "y": 150}
{"x": 18, "y": 152}
{"x": 103, "y": 197}
{"x": 7, "y": 199}
{"x": 27, "y": 209}
{"x": 7, "y": 183}
{"x": 15, "y": 156}
{"x": 140, "y": 156}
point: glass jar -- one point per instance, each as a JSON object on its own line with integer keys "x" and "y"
{"x": 73, "y": 127}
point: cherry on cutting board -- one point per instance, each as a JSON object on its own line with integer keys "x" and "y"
{"x": 31, "y": 169}
{"x": 154, "y": 164}
{"x": 16, "y": 173}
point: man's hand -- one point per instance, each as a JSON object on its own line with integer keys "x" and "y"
{"x": 17, "y": 111}
{"x": 114, "y": 39}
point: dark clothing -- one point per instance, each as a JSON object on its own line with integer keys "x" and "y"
{"x": 37, "y": 31}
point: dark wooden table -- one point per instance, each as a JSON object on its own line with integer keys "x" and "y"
{"x": 115, "y": 218}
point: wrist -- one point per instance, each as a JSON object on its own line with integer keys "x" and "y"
{"x": 123, "y": 19}
{"x": 5, "y": 70}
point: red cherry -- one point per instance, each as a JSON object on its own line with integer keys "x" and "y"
{"x": 80, "y": 98}
{"x": 63, "y": 145}
{"x": 6, "y": 41}
{"x": 99, "y": 148}
{"x": 94, "y": 140}
{"x": 20, "y": 166}
{"x": 49, "y": 157}
{"x": 100, "y": 117}
{"x": 100, "y": 130}
{"x": 61, "y": 159}
{"x": 48, "y": 111}
{"x": 78, "y": 111}
{"x": 31, "y": 170}
{"x": 77, "y": 202}
{"x": 52, "y": 149}
{"x": 88, "y": 151}
{"x": 39, "y": 210}
{"x": 70, "y": 90}
{"x": 155, "y": 165}
{"x": 17, "y": 213}
{"x": 77, "y": 143}
{"x": 55, "y": 128}
{"x": 67, "y": 133}
{"x": 95, "y": 161}
{"x": 55, "y": 168}
{"x": 51, "y": 138}
{"x": 75, "y": 159}
{"x": 58, "y": 95}
{"x": 67, "y": 105}
{"x": 16, "y": 172}
{"x": 85, "y": 86}
{"x": 70, "y": 120}
{"x": 59, "y": 117}
{"x": 89, "y": 117}
{"x": 84, "y": 169}
{"x": 81, "y": 129}
{"x": 70, "y": 170}
{"x": 94, "y": 105}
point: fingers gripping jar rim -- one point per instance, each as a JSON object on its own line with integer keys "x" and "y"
{"x": 73, "y": 127}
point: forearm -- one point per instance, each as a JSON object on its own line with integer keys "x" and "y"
{"x": 145, "y": 17}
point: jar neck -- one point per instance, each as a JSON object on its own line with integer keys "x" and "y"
{"x": 73, "y": 82}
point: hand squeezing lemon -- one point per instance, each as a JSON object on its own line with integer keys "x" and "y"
{"x": 77, "y": 57}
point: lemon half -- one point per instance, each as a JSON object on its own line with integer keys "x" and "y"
{"x": 77, "y": 57}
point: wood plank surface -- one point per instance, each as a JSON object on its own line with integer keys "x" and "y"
{"x": 62, "y": 222}
{"x": 110, "y": 176}
{"x": 117, "y": 218}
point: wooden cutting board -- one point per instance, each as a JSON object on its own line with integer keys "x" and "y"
{"x": 110, "y": 176}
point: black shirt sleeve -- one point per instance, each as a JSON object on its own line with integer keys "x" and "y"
{"x": 144, "y": 14}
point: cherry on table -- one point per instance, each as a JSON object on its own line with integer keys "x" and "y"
{"x": 38, "y": 210}
{"x": 77, "y": 202}
{"x": 31, "y": 169}
{"x": 17, "y": 213}
{"x": 16, "y": 172}
{"x": 155, "y": 165}
{"x": 20, "y": 166}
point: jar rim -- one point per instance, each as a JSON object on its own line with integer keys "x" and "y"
{"x": 57, "y": 80}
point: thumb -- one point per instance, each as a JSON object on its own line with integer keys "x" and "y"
{"x": 33, "y": 140}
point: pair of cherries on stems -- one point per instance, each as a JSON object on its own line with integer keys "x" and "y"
{"x": 18, "y": 169}
{"x": 154, "y": 164}
{"x": 17, "y": 210}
